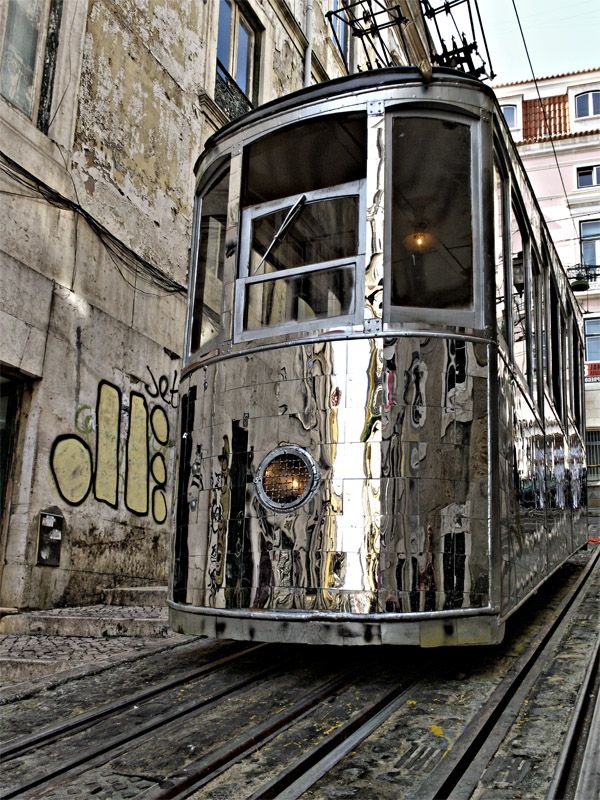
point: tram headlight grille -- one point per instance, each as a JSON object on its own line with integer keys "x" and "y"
{"x": 286, "y": 478}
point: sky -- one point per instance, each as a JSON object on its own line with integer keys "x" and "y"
{"x": 561, "y": 35}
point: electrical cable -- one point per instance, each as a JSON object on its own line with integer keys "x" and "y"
{"x": 122, "y": 256}
{"x": 545, "y": 116}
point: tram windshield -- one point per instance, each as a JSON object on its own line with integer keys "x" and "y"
{"x": 432, "y": 247}
{"x": 301, "y": 224}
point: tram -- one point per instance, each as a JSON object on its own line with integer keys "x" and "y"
{"x": 381, "y": 435}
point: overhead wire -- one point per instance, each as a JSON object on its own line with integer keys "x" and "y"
{"x": 544, "y": 115}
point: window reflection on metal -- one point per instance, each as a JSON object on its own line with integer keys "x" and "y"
{"x": 228, "y": 95}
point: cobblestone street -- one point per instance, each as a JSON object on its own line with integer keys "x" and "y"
{"x": 54, "y": 645}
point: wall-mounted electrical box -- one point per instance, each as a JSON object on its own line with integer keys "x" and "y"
{"x": 50, "y": 538}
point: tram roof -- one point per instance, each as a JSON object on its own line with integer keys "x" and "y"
{"x": 348, "y": 84}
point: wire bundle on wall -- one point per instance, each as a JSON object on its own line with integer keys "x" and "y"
{"x": 122, "y": 256}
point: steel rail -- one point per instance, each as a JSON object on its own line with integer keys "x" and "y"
{"x": 307, "y": 770}
{"x": 587, "y": 763}
{"x": 214, "y": 763}
{"x": 114, "y": 746}
{"x": 18, "y": 747}
{"x": 457, "y": 775}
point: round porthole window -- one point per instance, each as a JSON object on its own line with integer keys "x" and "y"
{"x": 286, "y": 478}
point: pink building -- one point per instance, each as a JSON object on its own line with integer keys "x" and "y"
{"x": 556, "y": 125}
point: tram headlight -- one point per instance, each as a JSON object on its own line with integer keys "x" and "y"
{"x": 286, "y": 478}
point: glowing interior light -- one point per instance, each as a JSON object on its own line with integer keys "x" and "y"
{"x": 420, "y": 241}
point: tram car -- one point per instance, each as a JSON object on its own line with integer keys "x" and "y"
{"x": 381, "y": 402}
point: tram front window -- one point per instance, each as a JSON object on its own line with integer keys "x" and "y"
{"x": 432, "y": 242}
{"x": 300, "y": 258}
{"x": 322, "y": 230}
{"x": 301, "y": 244}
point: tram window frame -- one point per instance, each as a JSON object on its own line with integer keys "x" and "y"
{"x": 557, "y": 367}
{"x": 517, "y": 216}
{"x": 537, "y": 376}
{"x": 217, "y": 173}
{"x": 473, "y": 315}
{"x": 355, "y": 262}
{"x": 500, "y": 205}
{"x": 545, "y": 319}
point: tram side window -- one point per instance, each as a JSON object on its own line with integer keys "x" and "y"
{"x": 432, "y": 241}
{"x": 305, "y": 157}
{"x": 535, "y": 320}
{"x": 556, "y": 344}
{"x": 501, "y": 311}
{"x": 520, "y": 306}
{"x": 545, "y": 329}
{"x": 208, "y": 291}
{"x": 577, "y": 377}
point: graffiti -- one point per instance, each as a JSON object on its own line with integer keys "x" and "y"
{"x": 132, "y": 464}
{"x": 163, "y": 389}
{"x": 71, "y": 465}
{"x": 84, "y": 421}
{"x": 108, "y": 436}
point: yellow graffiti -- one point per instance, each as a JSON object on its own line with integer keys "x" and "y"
{"x": 136, "y": 478}
{"x": 71, "y": 463}
{"x": 159, "y": 505}
{"x": 107, "y": 444}
{"x": 160, "y": 425}
{"x": 119, "y": 467}
{"x": 159, "y": 469}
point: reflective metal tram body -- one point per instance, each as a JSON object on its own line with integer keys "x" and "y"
{"x": 381, "y": 406}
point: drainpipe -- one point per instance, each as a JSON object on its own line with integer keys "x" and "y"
{"x": 309, "y": 42}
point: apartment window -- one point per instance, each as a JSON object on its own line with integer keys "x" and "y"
{"x": 593, "y": 453}
{"x": 590, "y": 242}
{"x": 236, "y": 59}
{"x": 588, "y": 176}
{"x": 340, "y": 29}
{"x": 29, "y": 30}
{"x": 592, "y": 339}
{"x": 587, "y": 104}
{"x": 510, "y": 115}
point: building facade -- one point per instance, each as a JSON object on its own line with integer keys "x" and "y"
{"x": 104, "y": 108}
{"x": 556, "y": 124}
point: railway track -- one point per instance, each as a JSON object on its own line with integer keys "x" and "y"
{"x": 283, "y": 722}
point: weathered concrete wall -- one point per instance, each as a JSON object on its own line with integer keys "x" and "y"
{"x": 86, "y": 330}
{"x": 96, "y": 332}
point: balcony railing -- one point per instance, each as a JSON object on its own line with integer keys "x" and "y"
{"x": 228, "y": 95}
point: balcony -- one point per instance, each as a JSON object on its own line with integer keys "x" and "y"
{"x": 228, "y": 95}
